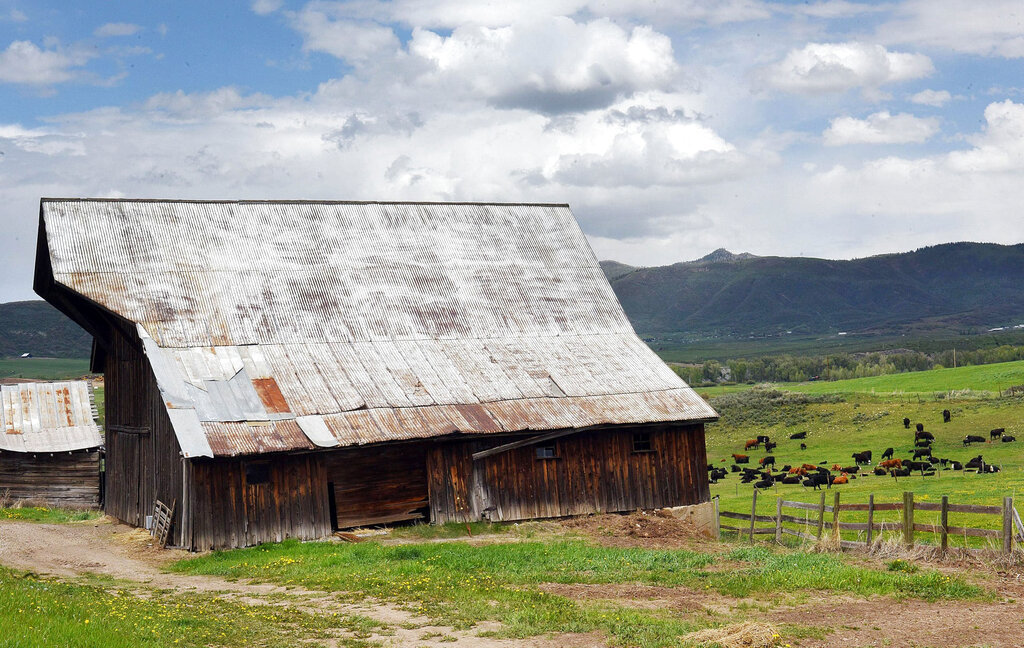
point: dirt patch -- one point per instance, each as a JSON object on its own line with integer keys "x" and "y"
{"x": 649, "y": 529}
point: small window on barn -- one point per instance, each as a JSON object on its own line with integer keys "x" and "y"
{"x": 257, "y": 472}
{"x": 546, "y": 451}
{"x": 642, "y": 442}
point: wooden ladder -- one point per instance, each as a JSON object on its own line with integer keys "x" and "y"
{"x": 163, "y": 516}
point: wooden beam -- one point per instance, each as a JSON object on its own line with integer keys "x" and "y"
{"x": 522, "y": 443}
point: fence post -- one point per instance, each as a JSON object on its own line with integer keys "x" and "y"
{"x": 718, "y": 520}
{"x": 821, "y": 515}
{"x": 1007, "y": 525}
{"x": 871, "y": 516}
{"x": 908, "y": 518}
{"x": 753, "y": 516}
{"x": 835, "y": 516}
{"x": 778, "y": 520}
{"x": 944, "y": 523}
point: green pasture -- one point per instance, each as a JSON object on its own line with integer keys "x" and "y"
{"x": 44, "y": 368}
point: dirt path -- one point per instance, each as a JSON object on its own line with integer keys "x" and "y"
{"x": 127, "y": 554}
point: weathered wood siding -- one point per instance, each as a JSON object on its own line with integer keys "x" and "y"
{"x": 70, "y": 480}
{"x": 595, "y": 471}
{"x": 378, "y": 484}
{"x": 225, "y": 510}
{"x": 144, "y": 464}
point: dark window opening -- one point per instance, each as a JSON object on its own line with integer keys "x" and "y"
{"x": 642, "y": 442}
{"x": 257, "y": 472}
{"x": 546, "y": 451}
{"x": 332, "y": 506}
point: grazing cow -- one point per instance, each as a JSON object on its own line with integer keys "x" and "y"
{"x": 738, "y": 458}
{"x": 770, "y": 445}
{"x": 976, "y": 462}
{"x": 751, "y": 443}
{"x": 841, "y": 479}
{"x": 798, "y": 435}
{"x": 973, "y": 438}
{"x": 945, "y": 416}
{"x": 763, "y": 438}
{"x": 1007, "y": 438}
{"x": 818, "y": 480}
{"x": 917, "y": 465}
{"x": 906, "y": 423}
{"x": 920, "y": 427}
{"x": 891, "y": 463}
{"x": 803, "y": 446}
{"x": 887, "y": 454}
{"x": 767, "y": 461}
{"x": 862, "y": 457}
{"x": 996, "y": 434}
{"x": 922, "y": 452}
{"x": 927, "y": 436}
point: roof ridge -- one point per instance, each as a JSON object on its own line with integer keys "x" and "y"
{"x": 299, "y": 202}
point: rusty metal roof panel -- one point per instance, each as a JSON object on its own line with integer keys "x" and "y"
{"x": 48, "y": 417}
{"x": 230, "y": 439}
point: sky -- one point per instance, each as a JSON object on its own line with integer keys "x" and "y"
{"x": 828, "y": 128}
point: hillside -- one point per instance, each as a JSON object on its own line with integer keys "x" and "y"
{"x": 40, "y": 329}
{"x": 956, "y": 287}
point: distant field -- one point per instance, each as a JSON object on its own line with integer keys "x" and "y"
{"x": 44, "y": 368}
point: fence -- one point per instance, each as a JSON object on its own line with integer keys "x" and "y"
{"x": 1012, "y": 528}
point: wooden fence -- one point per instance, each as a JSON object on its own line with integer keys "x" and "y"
{"x": 813, "y": 528}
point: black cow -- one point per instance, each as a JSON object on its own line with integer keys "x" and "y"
{"x": 803, "y": 446}
{"x": 862, "y": 457}
{"x": 770, "y": 445}
{"x": 887, "y": 454}
{"x": 818, "y": 480}
{"x": 767, "y": 461}
{"x": 850, "y": 470}
{"x": 767, "y": 482}
{"x": 791, "y": 479}
{"x": 734, "y": 468}
{"x": 924, "y": 435}
{"x": 900, "y": 472}
{"x": 1007, "y": 438}
{"x": 879, "y": 471}
{"x": 763, "y": 438}
{"x": 973, "y": 438}
{"x": 922, "y": 452}
{"x": 956, "y": 465}
{"x": 976, "y": 462}
{"x": 923, "y": 443}
{"x": 988, "y": 468}
{"x": 906, "y": 423}
{"x": 798, "y": 435}
{"x": 920, "y": 427}
{"x": 945, "y": 416}
{"x": 996, "y": 433}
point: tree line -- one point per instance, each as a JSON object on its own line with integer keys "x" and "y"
{"x": 838, "y": 366}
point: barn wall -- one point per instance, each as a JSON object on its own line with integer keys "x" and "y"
{"x": 226, "y": 510}
{"x": 378, "y": 484}
{"x": 70, "y": 480}
{"x": 145, "y": 464}
{"x": 595, "y": 471}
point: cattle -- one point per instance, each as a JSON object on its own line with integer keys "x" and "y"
{"x": 818, "y": 480}
{"x": 751, "y": 443}
{"x": 763, "y": 438}
{"x": 862, "y": 457}
{"x": 1007, "y": 438}
{"x": 906, "y": 423}
{"x": 836, "y": 467}
{"x": 891, "y": 463}
{"x": 879, "y": 471}
{"x": 798, "y": 435}
{"x": 718, "y": 473}
{"x": 945, "y": 416}
{"x": 923, "y": 443}
{"x": 917, "y": 465}
{"x": 841, "y": 479}
{"x": 922, "y": 452}
{"x": 935, "y": 460}
{"x": 850, "y": 470}
{"x": 988, "y": 468}
{"x": 996, "y": 434}
{"x": 920, "y": 427}
{"x": 900, "y": 472}
{"x": 791, "y": 479}
{"x": 738, "y": 458}
{"x": 785, "y": 468}
{"x": 928, "y": 436}
{"x": 767, "y": 482}
{"x": 956, "y": 465}
{"x": 803, "y": 446}
{"x": 770, "y": 445}
{"x": 746, "y": 479}
{"x": 734, "y": 468}
{"x": 976, "y": 462}
{"x": 973, "y": 438}
{"x": 767, "y": 461}
{"x": 887, "y": 454}
{"x": 808, "y": 466}
{"x": 797, "y": 470}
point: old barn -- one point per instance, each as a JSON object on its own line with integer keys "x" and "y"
{"x": 50, "y": 444}
{"x": 282, "y": 369}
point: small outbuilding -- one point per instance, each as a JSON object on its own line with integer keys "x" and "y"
{"x": 50, "y": 444}
{"x": 283, "y": 369}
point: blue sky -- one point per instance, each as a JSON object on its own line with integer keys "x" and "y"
{"x": 830, "y": 128}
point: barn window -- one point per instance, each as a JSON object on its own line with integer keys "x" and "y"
{"x": 642, "y": 442}
{"x": 546, "y": 451}
{"x": 257, "y": 472}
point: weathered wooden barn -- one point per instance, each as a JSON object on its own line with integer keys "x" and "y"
{"x": 281, "y": 369}
{"x": 50, "y": 445}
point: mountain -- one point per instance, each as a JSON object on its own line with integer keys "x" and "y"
{"x": 40, "y": 329}
{"x": 956, "y": 286}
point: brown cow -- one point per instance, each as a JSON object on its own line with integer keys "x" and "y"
{"x": 751, "y": 443}
{"x": 891, "y": 463}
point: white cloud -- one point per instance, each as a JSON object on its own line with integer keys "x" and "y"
{"x": 24, "y": 62}
{"x": 265, "y": 7}
{"x": 15, "y": 15}
{"x": 329, "y": 30}
{"x": 820, "y": 68}
{"x": 990, "y": 28}
{"x": 880, "y": 128}
{"x": 999, "y": 148}
{"x": 116, "y": 29}
{"x": 936, "y": 98}
{"x": 829, "y": 9}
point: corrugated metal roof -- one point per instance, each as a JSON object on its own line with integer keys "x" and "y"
{"x": 48, "y": 417}
{"x": 407, "y": 319}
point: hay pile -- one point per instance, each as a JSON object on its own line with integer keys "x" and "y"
{"x": 742, "y": 635}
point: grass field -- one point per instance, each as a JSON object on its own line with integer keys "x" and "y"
{"x": 48, "y": 515}
{"x": 44, "y": 368}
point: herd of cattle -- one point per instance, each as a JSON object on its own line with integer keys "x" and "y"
{"x": 921, "y": 461}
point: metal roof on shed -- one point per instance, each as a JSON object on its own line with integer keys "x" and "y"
{"x": 364, "y": 322}
{"x": 48, "y": 417}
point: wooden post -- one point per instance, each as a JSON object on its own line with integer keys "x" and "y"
{"x": 778, "y": 520}
{"x": 718, "y": 521}
{"x": 871, "y": 516}
{"x": 1007, "y": 525}
{"x": 821, "y": 515}
{"x": 753, "y": 516}
{"x": 835, "y": 516}
{"x": 944, "y": 523}
{"x": 908, "y": 518}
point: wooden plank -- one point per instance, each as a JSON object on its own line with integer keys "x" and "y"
{"x": 800, "y": 505}
{"x": 522, "y": 443}
{"x": 805, "y": 536}
{"x": 853, "y": 526}
{"x": 764, "y": 531}
{"x": 798, "y": 520}
{"x": 732, "y": 528}
{"x": 871, "y": 516}
{"x": 852, "y": 544}
{"x": 972, "y": 508}
{"x": 746, "y": 516}
{"x": 968, "y": 531}
{"x": 1017, "y": 523}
